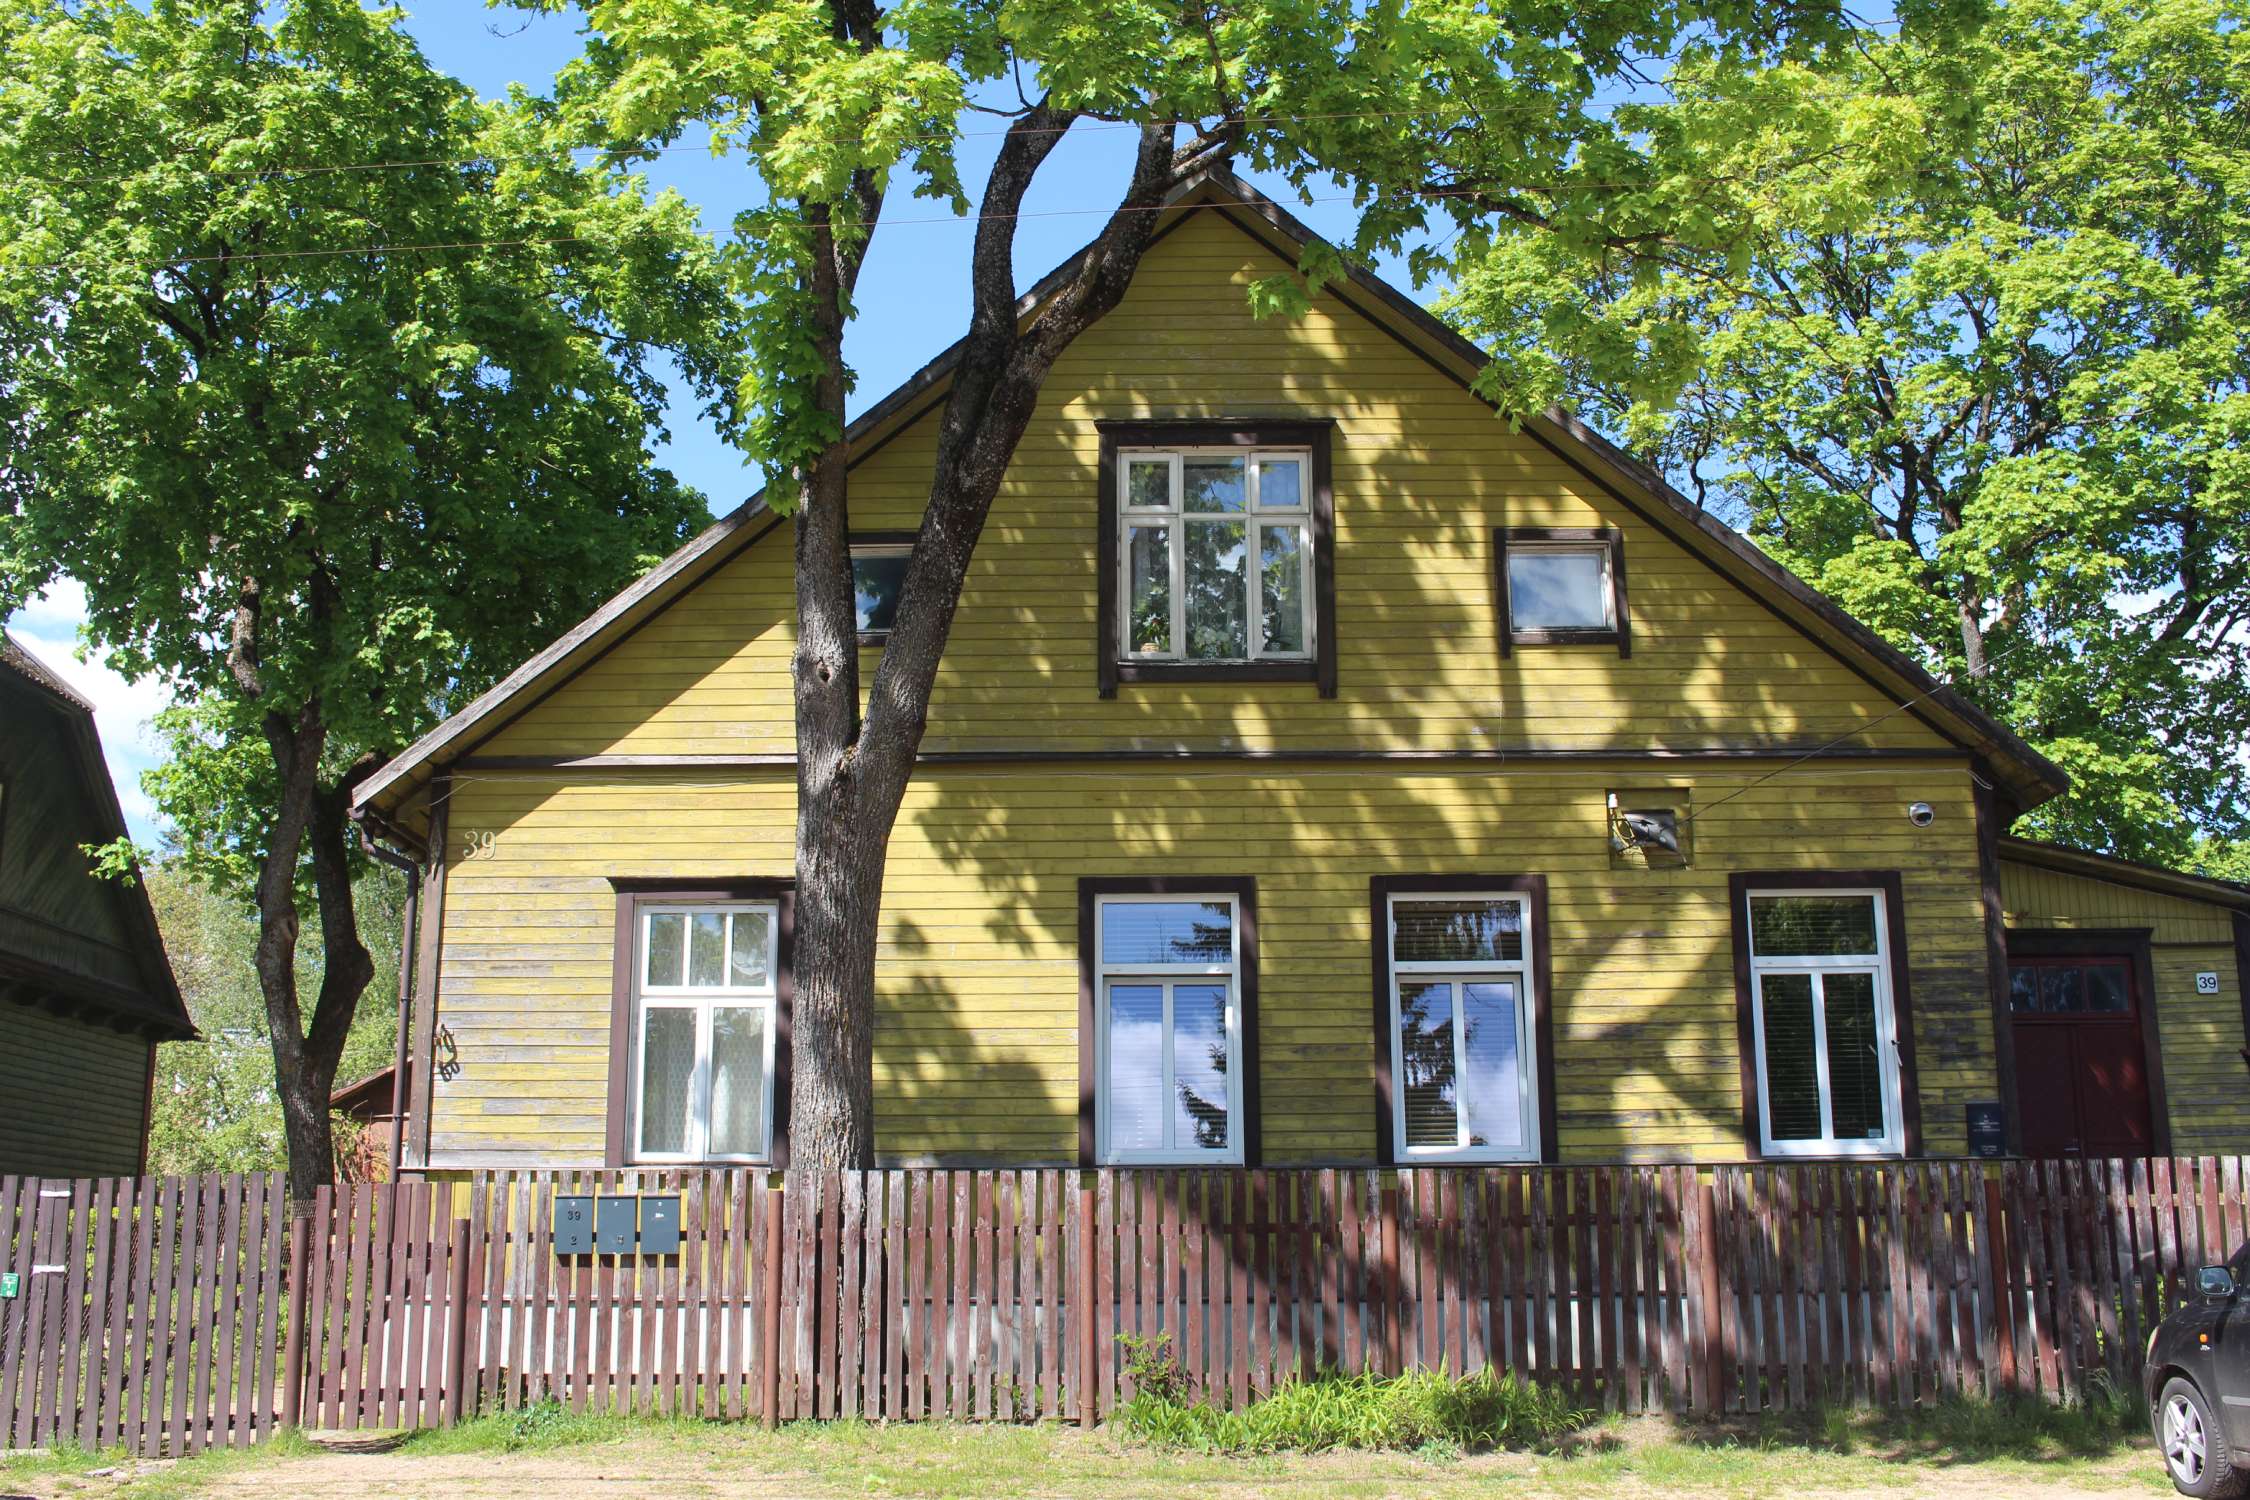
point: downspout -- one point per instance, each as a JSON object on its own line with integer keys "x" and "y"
{"x": 407, "y": 934}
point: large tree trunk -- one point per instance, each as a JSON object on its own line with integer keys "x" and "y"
{"x": 839, "y": 849}
{"x": 852, "y": 774}
{"x": 305, "y": 1061}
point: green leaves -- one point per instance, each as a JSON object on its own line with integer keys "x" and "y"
{"x": 300, "y": 458}
{"x": 1963, "y": 341}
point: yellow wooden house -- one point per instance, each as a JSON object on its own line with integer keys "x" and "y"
{"x": 1322, "y": 771}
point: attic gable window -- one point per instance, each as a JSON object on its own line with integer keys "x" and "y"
{"x": 1217, "y": 554}
{"x": 878, "y": 572}
{"x": 1561, "y": 586}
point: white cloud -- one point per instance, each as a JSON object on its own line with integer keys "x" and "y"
{"x": 47, "y": 627}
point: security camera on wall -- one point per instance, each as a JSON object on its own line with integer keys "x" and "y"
{"x": 1920, "y": 814}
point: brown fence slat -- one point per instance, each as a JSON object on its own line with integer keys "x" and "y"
{"x": 106, "y": 1294}
{"x": 43, "y": 1289}
{"x": 14, "y": 1257}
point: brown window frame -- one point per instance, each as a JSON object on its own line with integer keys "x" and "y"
{"x": 1889, "y": 882}
{"x": 2136, "y": 946}
{"x": 860, "y": 539}
{"x": 632, "y": 893}
{"x": 1533, "y": 888}
{"x": 1244, "y": 889}
{"x": 1619, "y": 635}
{"x": 1314, "y": 435}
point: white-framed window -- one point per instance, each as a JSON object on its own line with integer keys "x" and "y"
{"x": 1167, "y": 973}
{"x": 704, "y": 1000}
{"x": 1464, "y": 1074}
{"x": 1215, "y": 555}
{"x": 878, "y": 572}
{"x": 1821, "y": 1012}
{"x": 1560, "y": 586}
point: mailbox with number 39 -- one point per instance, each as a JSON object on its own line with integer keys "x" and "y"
{"x": 574, "y": 1226}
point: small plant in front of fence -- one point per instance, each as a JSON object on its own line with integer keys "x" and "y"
{"x": 1422, "y": 1410}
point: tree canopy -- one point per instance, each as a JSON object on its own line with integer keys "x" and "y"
{"x": 1999, "y": 408}
{"x": 335, "y": 387}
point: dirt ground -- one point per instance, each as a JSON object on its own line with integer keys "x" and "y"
{"x": 1077, "y": 1468}
{"x": 547, "y": 1477}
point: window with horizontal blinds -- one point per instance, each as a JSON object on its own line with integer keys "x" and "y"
{"x": 1823, "y": 1026}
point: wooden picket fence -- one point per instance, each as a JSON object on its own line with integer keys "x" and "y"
{"x": 148, "y": 1311}
{"x": 155, "y": 1321}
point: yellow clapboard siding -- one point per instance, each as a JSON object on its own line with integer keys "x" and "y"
{"x": 977, "y": 980}
{"x": 2202, "y": 1035}
{"x": 1422, "y": 474}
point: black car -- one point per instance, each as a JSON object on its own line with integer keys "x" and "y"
{"x": 2198, "y": 1384}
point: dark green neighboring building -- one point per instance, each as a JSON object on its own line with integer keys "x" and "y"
{"x": 85, "y": 990}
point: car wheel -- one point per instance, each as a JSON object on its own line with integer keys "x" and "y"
{"x": 2194, "y": 1449}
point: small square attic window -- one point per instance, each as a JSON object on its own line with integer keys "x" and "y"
{"x": 878, "y": 572}
{"x": 1561, "y": 586}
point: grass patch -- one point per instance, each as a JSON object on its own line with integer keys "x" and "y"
{"x": 199, "y": 1474}
{"x": 1969, "y": 1430}
{"x": 1425, "y": 1411}
{"x": 1430, "y": 1437}
{"x": 545, "y": 1425}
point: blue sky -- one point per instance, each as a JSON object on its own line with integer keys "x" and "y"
{"x": 913, "y": 302}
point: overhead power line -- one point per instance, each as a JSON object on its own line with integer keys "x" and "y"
{"x": 245, "y": 257}
{"x": 321, "y": 169}
{"x": 1854, "y": 732}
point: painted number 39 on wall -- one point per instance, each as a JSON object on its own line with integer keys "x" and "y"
{"x": 2207, "y": 983}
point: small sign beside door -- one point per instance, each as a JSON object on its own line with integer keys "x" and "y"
{"x": 1988, "y": 1129}
{"x": 2207, "y": 982}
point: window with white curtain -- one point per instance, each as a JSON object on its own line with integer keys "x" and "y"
{"x": 704, "y": 1002}
{"x": 1167, "y": 973}
{"x": 1464, "y": 1080}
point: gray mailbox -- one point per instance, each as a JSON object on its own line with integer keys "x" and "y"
{"x": 574, "y": 1226}
{"x": 660, "y": 1224}
{"x": 615, "y": 1225}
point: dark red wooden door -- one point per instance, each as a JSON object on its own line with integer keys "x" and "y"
{"x": 2081, "y": 1066}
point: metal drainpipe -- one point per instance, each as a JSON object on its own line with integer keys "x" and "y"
{"x": 406, "y": 936}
